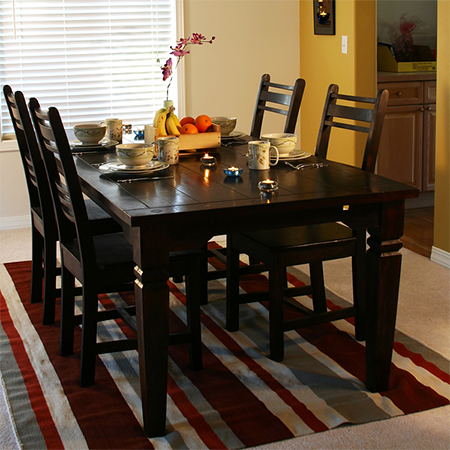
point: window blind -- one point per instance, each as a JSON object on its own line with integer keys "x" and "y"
{"x": 92, "y": 59}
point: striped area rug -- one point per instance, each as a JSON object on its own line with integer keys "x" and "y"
{"x": 240, "y": 399}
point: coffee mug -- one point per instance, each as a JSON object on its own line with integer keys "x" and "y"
{"x": 150, "y": 134}
{"x": 168, "y": 149}
{"x": 259, "y": 155}
{"x": 114, "y": 130}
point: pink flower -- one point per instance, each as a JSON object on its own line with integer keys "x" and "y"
{"x": 180, "y": 51}
{"x": 167, "y": 69}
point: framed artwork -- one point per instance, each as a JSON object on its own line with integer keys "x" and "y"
{"x": 324, "y": 17}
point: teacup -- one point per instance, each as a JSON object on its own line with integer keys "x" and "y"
{"x": 133, "y": 155}
{"x": 168, "y": 149}
{"x": 259, "y": 155}
{"x": 285, "y": 142}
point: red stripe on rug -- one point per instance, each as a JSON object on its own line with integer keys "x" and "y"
{"x": 404, "y": 389}
{"x": 194, "y": 417}
{"x": 246, "y": 415}
{"x": 35, "y": 394}
{"x": 420, "y": 361}
{"x": 99, "y": 409}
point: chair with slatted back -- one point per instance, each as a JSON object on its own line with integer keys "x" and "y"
{"x": 101, "y": 263}
{"x": 311, "y": 244}
{"x": 275, "y": 98}
{"x": 279, "y": 99}
{"x": 43, "y": 224}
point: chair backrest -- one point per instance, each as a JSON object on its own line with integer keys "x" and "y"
{"x": 69, "y": 204}
{"x": 280, "y": 99}
{"x": 36, "y": 177}
{"x": 340, "y": 111}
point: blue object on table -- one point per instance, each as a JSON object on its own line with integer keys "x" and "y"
{"x": 233, "y": 172}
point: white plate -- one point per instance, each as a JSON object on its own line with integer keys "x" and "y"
{"x": 152, "y": 166}
{"x": 232, "y": 135}
{"x": 84, "y": 146}
{"x": 294, "y": 155}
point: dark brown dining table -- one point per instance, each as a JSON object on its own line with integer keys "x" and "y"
{"x": 198, "y": 203}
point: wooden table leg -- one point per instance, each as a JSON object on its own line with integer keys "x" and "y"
{"x": 383, "y": 278}
{"x": 152, "y": 317}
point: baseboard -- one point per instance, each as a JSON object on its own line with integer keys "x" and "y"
{"x": 9, "y": 223}
{"x": 440, "y": 257}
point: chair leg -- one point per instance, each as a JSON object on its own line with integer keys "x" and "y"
{"x": 318, "y": 285}
{"x": 277, "y": 275}
{"x": 50, "y": 274}
{"x": 67, "y": 312}
{"x": 37, "y": 272}
{"x": 193, "y": 297}
{"x": 232, "y": 290}
{"x": 359, "y": 284}
{"x": 89, "y": 336}
{"x": 203, "y": 276}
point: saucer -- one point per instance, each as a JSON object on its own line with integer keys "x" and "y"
{"x": 232, "y": 135}
{"x": 294, "y": 155}
{"x": 103, "y": 144}
{"x": 119, "y": 167}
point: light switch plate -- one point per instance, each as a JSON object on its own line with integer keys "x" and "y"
{"x": 344, "y": 44}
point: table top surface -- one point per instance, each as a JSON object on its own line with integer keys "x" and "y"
{"x": 196, "y": 191}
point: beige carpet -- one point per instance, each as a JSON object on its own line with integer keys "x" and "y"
{"x": 424, "y": 313}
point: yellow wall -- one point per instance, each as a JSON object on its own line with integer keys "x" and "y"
{"x": 322, "y": 63}
{"x": 442, "y": 193}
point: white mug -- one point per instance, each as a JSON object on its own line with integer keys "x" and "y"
{"x": 168, "y": 149}
{"x": 114, "y": 130}
{"x": 259, "y": 155}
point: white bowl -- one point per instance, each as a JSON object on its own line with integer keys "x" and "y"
{"x": 89, "y": 133}
{"x": 284, "y": 142}
{"x": 133, "y": 155}
{"x": 227, "y": 124}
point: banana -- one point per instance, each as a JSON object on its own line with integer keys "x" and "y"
{"x": 158, "y": 113}
{"x": 161, "y": 124}
{"x": 176, "y": 120}
{"x": 171, "y": 125}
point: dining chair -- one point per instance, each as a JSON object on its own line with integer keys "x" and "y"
{"x": 311, "y": 244}
{"x": 279, "y": 99}
{"x": 44, "y": 231}
{"x": 101, "y": 263}
{"x": 274, "y": 98}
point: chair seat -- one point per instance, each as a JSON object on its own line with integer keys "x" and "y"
{"x": 99, "y": 220}
{"x": 289, "y": 238}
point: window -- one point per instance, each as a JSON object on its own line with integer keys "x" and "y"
{"x": 92, "y": 59}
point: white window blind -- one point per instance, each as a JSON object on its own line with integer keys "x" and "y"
{"x": 92, "y": 59}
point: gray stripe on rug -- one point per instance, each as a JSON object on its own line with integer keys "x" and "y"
{"x": 26, "y": 425}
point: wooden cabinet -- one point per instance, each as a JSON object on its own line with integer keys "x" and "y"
{"x": 407, "y": 145}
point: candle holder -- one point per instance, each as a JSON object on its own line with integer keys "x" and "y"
{"x": 208, "y": 161}
{"x": 233, "y": 172}
{"x": 268, "y": 186}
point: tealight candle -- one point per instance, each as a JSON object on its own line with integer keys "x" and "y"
{"x": 233, "y": 171}
{"x": 208, "y": 160}
{"x": 268, "y": 185}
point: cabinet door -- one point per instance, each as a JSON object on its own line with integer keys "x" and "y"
{"x": 400, "y": 150}
{"x": 429, "y": 144}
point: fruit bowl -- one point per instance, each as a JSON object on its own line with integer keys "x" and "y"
{"x": 227, "y": 124}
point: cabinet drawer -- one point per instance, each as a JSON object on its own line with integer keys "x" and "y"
{"x": 429, "y": 92}
{"x": 408, "y": 93}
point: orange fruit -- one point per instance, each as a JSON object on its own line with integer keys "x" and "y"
{"x": 202, "y": 123}
{"x": 186, "y": 120}
{"x": 188, "y": 129}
